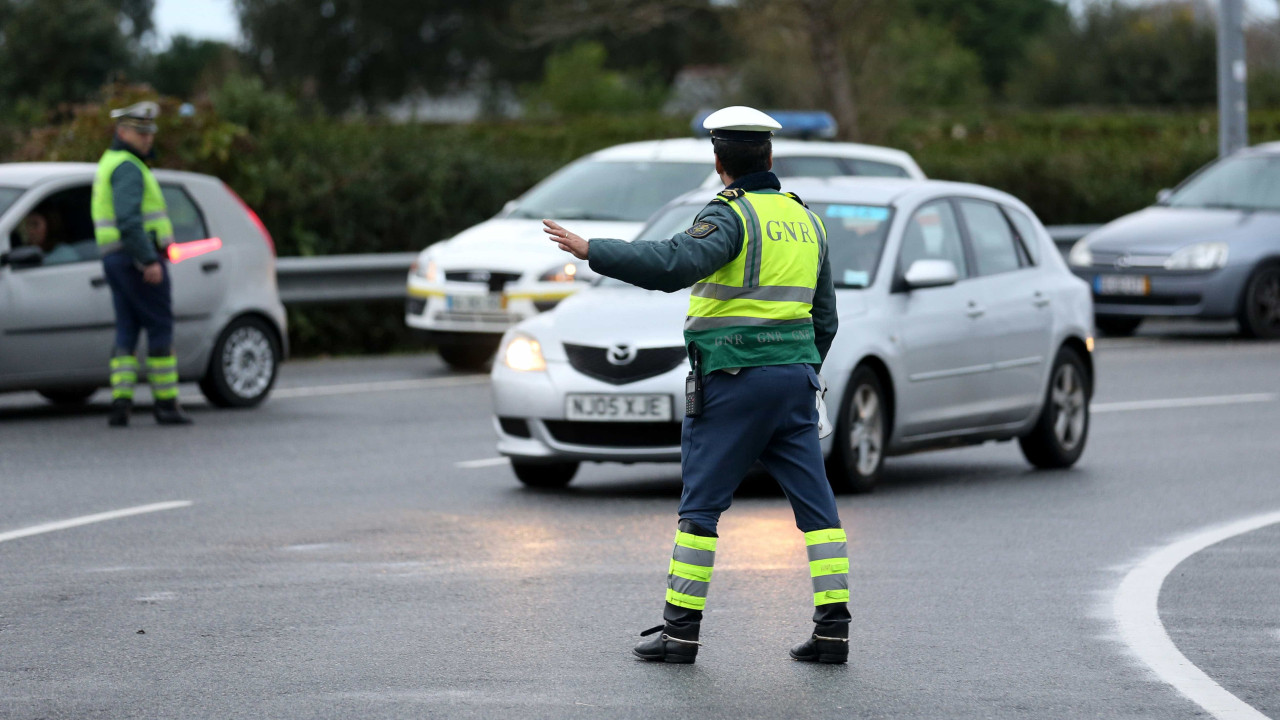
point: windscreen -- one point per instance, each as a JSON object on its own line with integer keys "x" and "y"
{"x": 7, "y": 196}
{"x": 1246, "y": 183}
{"x": 855, "y": 237}
{"x": 626, "y": 191}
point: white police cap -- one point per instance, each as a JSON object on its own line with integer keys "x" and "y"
{"x": 741, "y": 124}
{"x": 140, "y": 115}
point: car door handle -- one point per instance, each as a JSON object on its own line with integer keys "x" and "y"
{"x": 98, "y": 282}
{"x": 210, "y": 267}
{"x": 1040, "y": 300}
{"x": 974, "y": 310}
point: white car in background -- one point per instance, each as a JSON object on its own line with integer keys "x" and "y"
{"x": 466, "y": 291}
{"x": 959, "y": 323}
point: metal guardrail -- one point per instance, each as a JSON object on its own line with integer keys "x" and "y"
{"x": 381, "y": 276}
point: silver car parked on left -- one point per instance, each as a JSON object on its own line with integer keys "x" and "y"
{"x": 56, "y": 319}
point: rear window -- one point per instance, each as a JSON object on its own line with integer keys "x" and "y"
{"x": 626, "y": 191}
{"x": 188, "y": 223}
{"x": 819, "y": 167}
{"x": 871, "y": 168}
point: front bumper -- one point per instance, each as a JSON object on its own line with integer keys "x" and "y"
{"x": 532, "y": 407}
{"x": 428, "y": 305}
{"x": 1209, "y": 295}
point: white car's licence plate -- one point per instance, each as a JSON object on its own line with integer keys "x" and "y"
{"x": 618, "y": 408}
{"x": 493, "y": 302}
{"x": 1122, "y": 285}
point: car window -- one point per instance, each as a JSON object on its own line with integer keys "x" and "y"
{"x": 61, "y": 226}
{"x": 994, "y": 249}
{"x": 1250, "y": 183}
{"x": 871, "y": 168}
{"x": 188, "y": 223}
{"x": 933, "y": 234}
{"x": 7, "y": 196}
{"x": 808, "y": 167}
{"x": 628, "y": 191}
{"x": 1026, "y": 231}
{"x": 855, "y": 240}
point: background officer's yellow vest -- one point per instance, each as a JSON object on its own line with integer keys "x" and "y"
{"x": 756, "y": 309}
{"x": 155, "y": 216}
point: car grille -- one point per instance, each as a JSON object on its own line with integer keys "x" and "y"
{"x": 415, "y": 306}
{"x": 649, "y": 362}
{"x": 494, "y": 280}
{"x": 615, "y": 434}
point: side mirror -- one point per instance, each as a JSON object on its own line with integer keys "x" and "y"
{"x": 1162, "y": 197}
{"x": 27, "y": 256}
{"x": 931, "y": 273}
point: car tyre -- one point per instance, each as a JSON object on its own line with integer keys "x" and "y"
{"x": 1059, "y": 435}
{"x": 1116, "y": 325}
{"x": 468, "y": 356}
{"x": 69, "y": 397}
{"x": 243, "y": 365}
{"x": 862, "y": 433}
{"x": 1260, "y": 306}
{"x": 544, "y": 475}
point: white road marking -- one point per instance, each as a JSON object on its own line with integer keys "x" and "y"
{"x": 381, "y": 386}
{"x": 1136, "y": 612}
{"x": 487, "y": 462}
{"x": 1182, "y": 402}
{"x": 90, "y": 519}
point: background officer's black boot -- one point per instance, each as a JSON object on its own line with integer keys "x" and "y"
{"x": 830, "y": 640}
{"x": 168, "y": 413}
{"x": 119, "y": 416}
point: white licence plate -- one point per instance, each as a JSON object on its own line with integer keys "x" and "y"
{"x": 618, "y": 408}
{"x": 493, "y": 302}
{"x": 1122, "y": 285}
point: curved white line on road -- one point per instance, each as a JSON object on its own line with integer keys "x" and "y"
{"x": 90, "y": 519}
{"x": 1138, "y": 616}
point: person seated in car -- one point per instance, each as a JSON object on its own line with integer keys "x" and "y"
{"x": 42, "y": 228}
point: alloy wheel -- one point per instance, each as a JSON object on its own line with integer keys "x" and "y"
{"x": 248, "y": 361}
{"x": 866, "y": 435}
{"x": 1069, "y": 410}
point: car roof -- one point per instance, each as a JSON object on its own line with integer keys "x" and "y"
{"x": 30, "y": 174}
{"x": 699, "y": 150}
{"x": 870, "y": 191}
{"x": 1267, "y": 148}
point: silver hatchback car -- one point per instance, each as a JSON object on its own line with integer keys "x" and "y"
{"x": 959, "y": 323}
{"x": 56, "y": 319}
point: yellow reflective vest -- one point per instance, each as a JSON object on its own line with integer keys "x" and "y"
{"x": 155, "y": 216}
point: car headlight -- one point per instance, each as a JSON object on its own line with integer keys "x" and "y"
{"x": 1080, "y": 255}
{"x": 576, "y": 271}
{"x": 523, "y": 353}
{"x": 1201, "y": 256}
{"x": 427, "y": 271}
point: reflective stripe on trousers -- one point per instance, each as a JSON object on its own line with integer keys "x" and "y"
{"x": 689, "y": 576}
{"x": 162, "y": 373}
{"x": 124, "y": 375}
{"x": 828, "y": 565}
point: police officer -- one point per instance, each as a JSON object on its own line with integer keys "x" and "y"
{"x": 133, "y": 231}
{"x": 761, "y": 318}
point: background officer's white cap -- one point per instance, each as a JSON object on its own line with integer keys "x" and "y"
{"x": 141, "y": 116}
{"x": 741, "y": 124}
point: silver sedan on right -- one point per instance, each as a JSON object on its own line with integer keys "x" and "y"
{"x": 959, "y": 324}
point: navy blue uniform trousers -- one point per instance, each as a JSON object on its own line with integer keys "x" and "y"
{"x": 764, "y": 413}
{"x": 139, "y": 305}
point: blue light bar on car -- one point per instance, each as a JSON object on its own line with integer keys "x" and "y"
{"x": 802, "y": 124}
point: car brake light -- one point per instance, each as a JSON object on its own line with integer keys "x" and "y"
{"x": 257, "y": 221}
{"x": 185, "y": 251}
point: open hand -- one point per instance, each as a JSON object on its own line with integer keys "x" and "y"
{"x": 568, "y": 242}
{"x": 153, "y": 274}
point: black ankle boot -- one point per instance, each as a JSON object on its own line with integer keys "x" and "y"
{"x": 665, "y": 647}
{"x": 120, "y": 409}
{"x": 823, "y": 649}
{"x": 168, "y": 413}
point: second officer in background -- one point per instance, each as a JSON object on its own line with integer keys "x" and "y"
{"x": 132, "y": 227}
{"x": 761, "y": 318}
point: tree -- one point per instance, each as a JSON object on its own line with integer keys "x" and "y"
{"x": 55, "y": 51}
{"x": 189, "y": 65}
{"x": 997, "y": 31}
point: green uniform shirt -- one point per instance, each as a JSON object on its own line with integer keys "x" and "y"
{"x": 678, "y": 263}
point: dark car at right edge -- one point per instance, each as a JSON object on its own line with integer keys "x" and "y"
{"x": 1208, "y": 249}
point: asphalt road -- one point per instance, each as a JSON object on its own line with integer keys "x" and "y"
{"x": 337, "y": 562}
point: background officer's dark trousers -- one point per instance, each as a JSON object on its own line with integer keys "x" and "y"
{"x": 141, "y": 306}
{"x": 767, "y": 414}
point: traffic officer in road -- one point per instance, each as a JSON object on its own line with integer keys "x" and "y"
{"x": 133, "y": 231}
{"x": 761, "y": 318}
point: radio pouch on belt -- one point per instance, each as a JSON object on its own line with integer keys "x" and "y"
{"x": 693, "y": 385}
